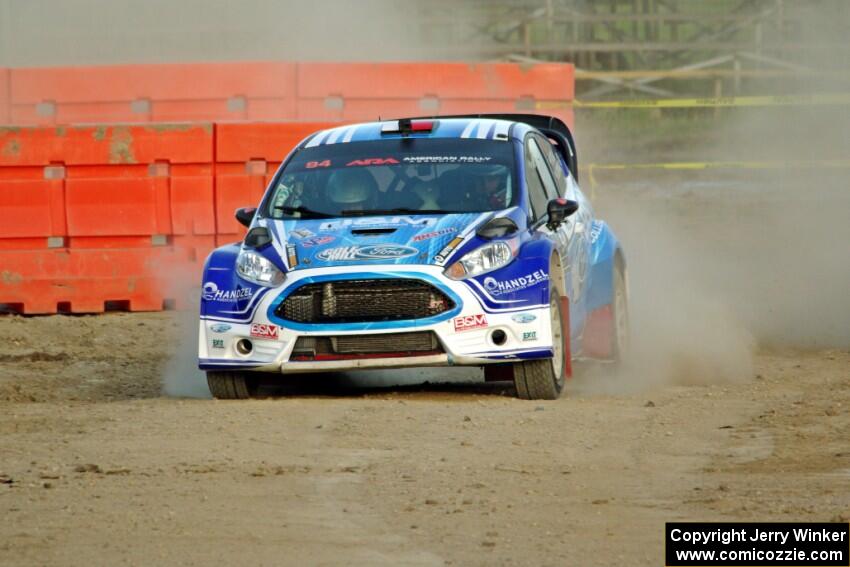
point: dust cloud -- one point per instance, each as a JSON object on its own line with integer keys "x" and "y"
{"x": 725, "y": 261}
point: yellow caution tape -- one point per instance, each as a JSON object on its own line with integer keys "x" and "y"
{"x": 722, "y": 165}
{"x": 714, "y": 102}
{"x": 692, "y": 165}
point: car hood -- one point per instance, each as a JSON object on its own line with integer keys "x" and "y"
{"x": 398, "y": 239}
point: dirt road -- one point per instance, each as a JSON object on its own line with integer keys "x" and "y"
{"x": 97, "y": 468}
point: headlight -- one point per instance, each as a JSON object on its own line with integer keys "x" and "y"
{"x": 484, "y": 259}
{"x": 257, "y": 269}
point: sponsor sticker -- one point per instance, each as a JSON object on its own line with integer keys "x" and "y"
{"x": 444, "y": 254}
{"x": 218, "y": 343}
{"x": 529, "y": 336}
{"x": 368, "y": 252}
{"x": 301, "y": 233}
{"x": 264, "y": 331}
{"x": 523, "y": 318}
{"x": 433, "y": 234}
{"x": 499, "y": 287}
{"x": 373, "y": 161}
{"x": 595, "y": 231}
{"x": 469, "y": 322}
{"x": 220, "y": 328}
{"x": 211, "y": 292}
{"x": 376, "y": 222}
{"x": 292, "y": 255}
{"x": 447, "y": 159}
{"x": 317, "y": 241}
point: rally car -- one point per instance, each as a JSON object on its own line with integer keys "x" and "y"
{"x": 442, "y": 241}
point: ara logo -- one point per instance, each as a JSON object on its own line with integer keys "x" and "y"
{"x": 523, "y": 318}
{"x": 373, "y": 161}
{"x": 499, "y": 287}
{"x": 212, "y": 293}
{"x": 469, "y": 322}
{"x": 371, "y": 252}
{"x": 220, "y": 328}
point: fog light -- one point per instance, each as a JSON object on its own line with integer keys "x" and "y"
{"x": 244, "y": 346}
{"x": 498, "y": 337}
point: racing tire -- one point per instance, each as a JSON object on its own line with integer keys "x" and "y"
{"x": 619, "y": 315}
{"x": 228, "y": 385}
{"x": 544, "y": 379}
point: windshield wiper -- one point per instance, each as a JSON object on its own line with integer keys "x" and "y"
{"x": 399, "y": 210}
{"x": 305, "y": 212}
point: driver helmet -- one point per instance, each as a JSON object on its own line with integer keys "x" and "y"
{"x": 352, "y": 188}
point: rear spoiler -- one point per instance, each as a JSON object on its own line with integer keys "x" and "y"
{"x": 554, "y": 128}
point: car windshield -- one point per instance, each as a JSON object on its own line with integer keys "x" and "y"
{"x": 398, "y": 175}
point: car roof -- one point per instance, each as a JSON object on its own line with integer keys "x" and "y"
{"x": 461, "y": 128}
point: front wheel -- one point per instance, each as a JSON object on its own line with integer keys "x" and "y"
{"x": 228, "y": 385}
{"x": 544, "y": 379}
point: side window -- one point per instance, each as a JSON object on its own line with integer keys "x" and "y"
{"x": 554, "y": 163}
{"x": 537, "y": 192}
{"x": 543, "y": 167}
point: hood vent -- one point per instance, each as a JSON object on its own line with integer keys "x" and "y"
{"x": 372, "y": 231}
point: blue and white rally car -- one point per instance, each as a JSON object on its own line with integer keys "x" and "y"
{"x": 442, "y": 241}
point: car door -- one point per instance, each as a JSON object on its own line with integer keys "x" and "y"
{"x": 541, "y": 189}
{"x": 574, "y": 231}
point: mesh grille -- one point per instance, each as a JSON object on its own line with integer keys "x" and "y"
{"x": 354, "y": 301}
{"x": 420, "y": 341}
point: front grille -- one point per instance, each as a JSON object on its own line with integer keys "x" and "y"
{"x": 354, "y": 301}
{"x": 395, "y": 344}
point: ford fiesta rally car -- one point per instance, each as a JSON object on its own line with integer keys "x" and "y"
{"x": 418, "y": 242}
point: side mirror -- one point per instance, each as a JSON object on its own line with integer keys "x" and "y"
{"x": 558, "y": 210}
{"x": 245, "y": 215}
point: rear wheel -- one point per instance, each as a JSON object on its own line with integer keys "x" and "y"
{"x": 620, "y": 315}
{"x": 544, "y": 379}
{"x": 229, "y": 385}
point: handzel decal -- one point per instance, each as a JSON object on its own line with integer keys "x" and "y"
{"x": 365, "y": 222}
{"x": 370, "y": 252}
{"x": 264, "y": 331}
{"x": 499, "y": 287}
{"x": 212, "y": 293}
{"x": 469, "y": 322}
{"x": 434, "y": 234}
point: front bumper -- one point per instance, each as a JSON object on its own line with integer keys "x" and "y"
{"x": 526, "y": 330}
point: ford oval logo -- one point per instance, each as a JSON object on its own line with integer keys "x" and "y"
{"x": 380, "y": 251}
{"x": 219, "y": 328}
{"x": 523, "y": 318}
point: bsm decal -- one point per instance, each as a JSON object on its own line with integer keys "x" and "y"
{"x": 264, "y": 331}
{"x": 469, "y": 322}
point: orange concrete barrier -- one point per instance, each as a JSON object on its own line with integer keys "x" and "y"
{"x": 363, "y": 91}
{"x": 280, "y": 91}
{"x": 247, "y": 156}
{"x": 5, "y": 85}
{"x": 151, "y": 93}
